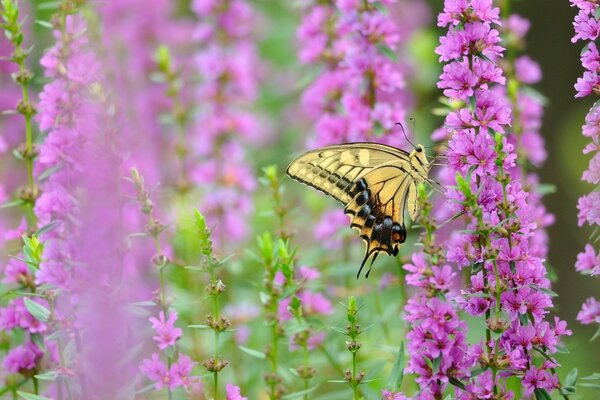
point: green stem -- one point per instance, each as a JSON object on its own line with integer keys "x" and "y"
{"x": 213, "y": 279}
{"x": 305, "y": 350}
{"x": 354, "y": 385}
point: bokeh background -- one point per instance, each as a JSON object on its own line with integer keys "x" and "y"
{"x": 548, "y": 43}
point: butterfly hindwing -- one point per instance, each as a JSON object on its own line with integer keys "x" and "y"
{"x": 375, "y": 182}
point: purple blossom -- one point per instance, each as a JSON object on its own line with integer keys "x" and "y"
{"x": 588, "y": 261}
{"x": 229, "y": 66}
{"x": 484, "y": 147}
{"x": 234, "y": 392}
{"x": 387, "y": 395}
{"x": 178, "y": 375}
{"x": 16, "y": 315}
{"x": 23, "y": 359}
{"x": 589, "y": 209}
{"x": 587, "y": 27}
{"x": 590, "y": 312}
{"x": 166, "y": 333}
{"x": 527, "y": 70}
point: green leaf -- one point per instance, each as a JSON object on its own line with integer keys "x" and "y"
{"x": 568, "y": 390}
{"x": 48, "y": 376}
{"x": 49, "y": 172}
{"x": 254, "y": 353}
{"x": 199, "y": 326}
{"x": 302, "y": 393}
{"x": 45, "y": 24}
{"x": 595, "y": 335}
{"x": 50, "y": 5}
{"x": 571, "y": 378}
{"x": 456, "y": 383}
{"x": 590, "y": 385}
{"x": 546, "y": 188}
{"x": 31, "y": 396}
{"x": 387, "y": 52}
{"x": 542, "y": 394}
{"x": 594, "y": 377}
{"x": 544, "y": 290}
{"x": 145, "y": 389}
{"x": 50, "y": 226}
{"x": 13, "y": 203}
{"x": 147, "y": 303}
{"x": 397, "y": 374}
{"x": 585, "y": 48}
{"x": 38, "y": 311}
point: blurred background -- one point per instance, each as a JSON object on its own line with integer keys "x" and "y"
{"x": 283, "y": 81}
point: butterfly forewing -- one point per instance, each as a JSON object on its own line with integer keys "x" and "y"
{"x": 376, "y": 183}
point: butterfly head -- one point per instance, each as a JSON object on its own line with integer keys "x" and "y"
{"x": 419, "y": 161}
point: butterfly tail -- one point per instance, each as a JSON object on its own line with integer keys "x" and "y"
{"x": 371, "y": 265}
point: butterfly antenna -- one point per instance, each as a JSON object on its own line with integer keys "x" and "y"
{"x": 405, "y": 136}
{"x": 435, "y": 185}
{"x": 460, "y": 214}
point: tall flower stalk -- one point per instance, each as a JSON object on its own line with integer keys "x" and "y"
{"x": 508, "y": 284}
{"x": 13, "y": 29}
{"x": 178, "y": 367}
{"x": 587, "y": 28}
{"x": 225, "y": 124}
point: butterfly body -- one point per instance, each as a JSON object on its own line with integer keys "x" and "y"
{"x": 376, "y": 183}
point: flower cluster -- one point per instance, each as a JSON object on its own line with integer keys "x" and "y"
{"x": 508, "y": 277}
{"x": 587, "y": 28}
{"x": 436, "y": 340}
{"x": 229, "y": 66}
{"x": 359, "y": 94}
{"x": 65, "y": 115}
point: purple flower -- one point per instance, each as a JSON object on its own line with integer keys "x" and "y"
{"x": 16, "y": 315}
{"x": 590, "y": 312}
{"x": 589, "y": 209}
{"x": 166, "y": 333}
{"x": 527, "y": 70}
{"x": 156, "y": 371}
{"x": 588, "y": 261}
{"x": 16, "y": 271}
{"x": 178, "y": 375}
{"x": 387, "y": 395}
{"x": 586, "y": 27}
{"x": 326, "y": 230}
{"x": 23, "y": 359}
{"x": 233, "y": 392}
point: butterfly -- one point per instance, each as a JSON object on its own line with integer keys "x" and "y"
{"x": 376, "y": 183}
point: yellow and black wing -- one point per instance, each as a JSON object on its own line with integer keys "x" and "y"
{"x": 374, "y": 183}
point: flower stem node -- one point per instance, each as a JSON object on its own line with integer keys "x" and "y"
{"x": 219, "y": 325}
{"x": 272, "y": 378}
{"x": 215, "y": 364}
{"x": 353, "y": 346}
{"x": 306, "y": 372}
{"x": 215, "y": 288}
{"x": 359, "y": 377}
{"x": 29, "y": 195}
{"x": 160, "y": 260}
{"x": 26, "y": 109}
{"x": 497, "y": 324}
{"x": 27, "y": 153}
{"x": 23, "y": 77}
